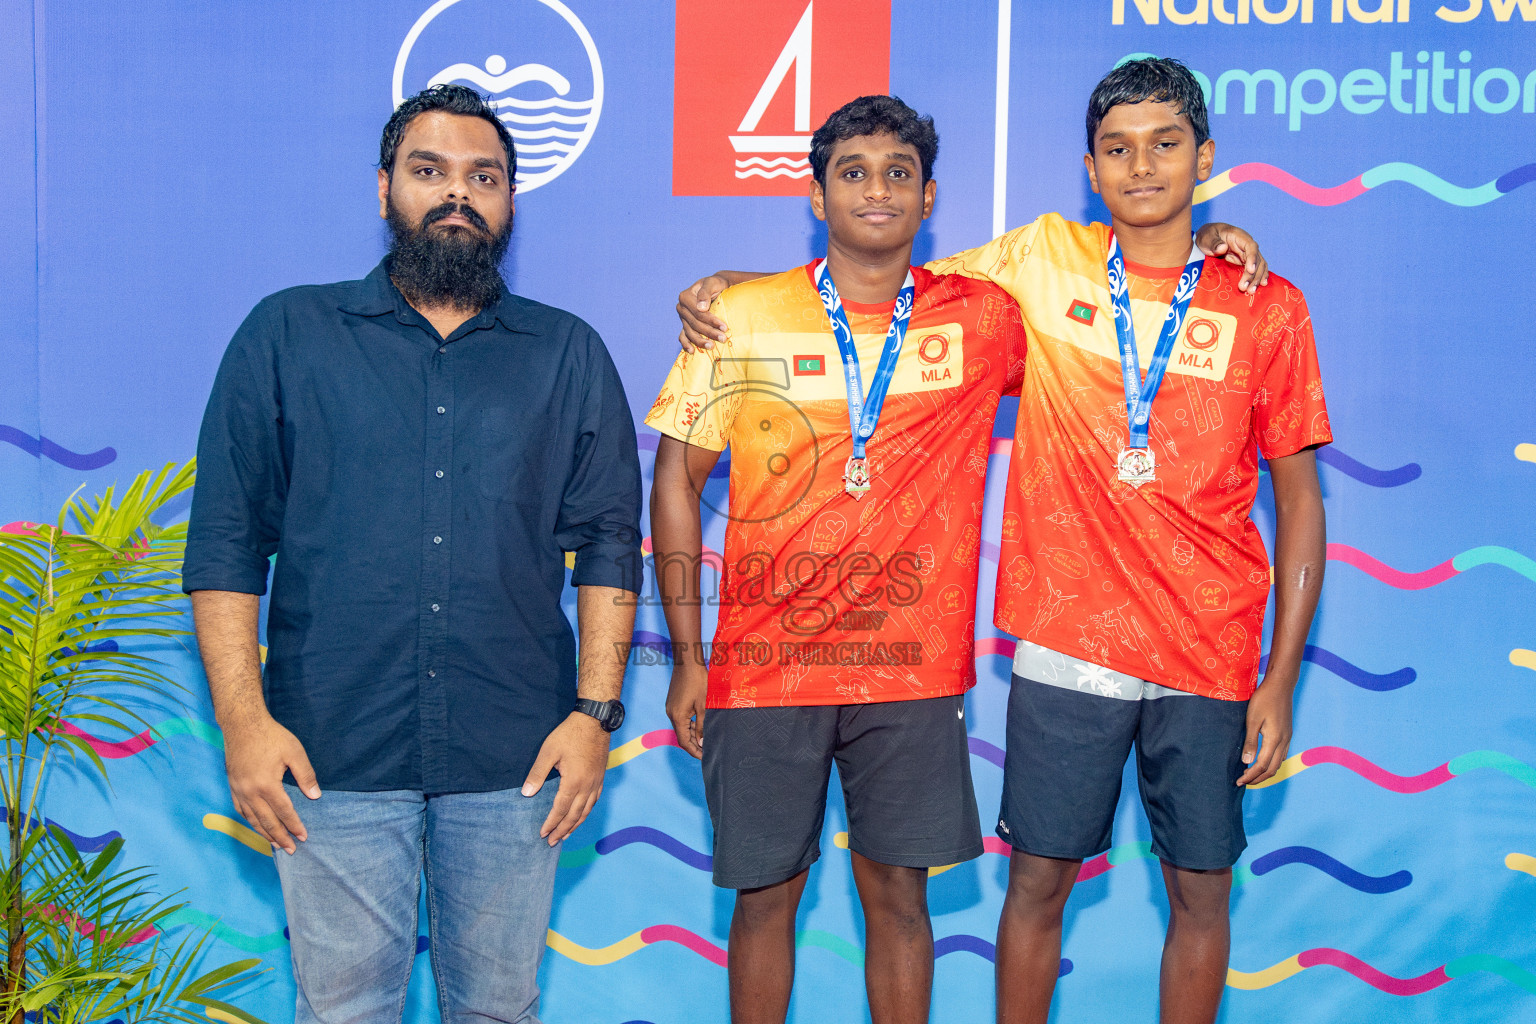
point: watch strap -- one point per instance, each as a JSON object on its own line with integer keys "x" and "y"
{"x": 601, "y": 710}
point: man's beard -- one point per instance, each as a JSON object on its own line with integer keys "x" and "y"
{"x": 455, "y": 267}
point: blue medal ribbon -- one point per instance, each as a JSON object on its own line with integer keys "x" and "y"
{"x": 1139, "y": 396}
{"x": 864, "y": 412}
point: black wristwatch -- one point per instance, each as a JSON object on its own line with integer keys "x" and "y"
{"x": 609, "y": 713}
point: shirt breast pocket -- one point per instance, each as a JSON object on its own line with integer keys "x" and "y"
{"x": 507, "y": 472}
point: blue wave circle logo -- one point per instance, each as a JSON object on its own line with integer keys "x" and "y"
{"x": 533, "y": 60}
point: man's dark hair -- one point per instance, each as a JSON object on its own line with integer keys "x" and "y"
{"x": 451, "y": 99}
{"x": 1161, "y": 79}
{"x": 875, "y": 115}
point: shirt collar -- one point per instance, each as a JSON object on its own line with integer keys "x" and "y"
{"x": 376, "y": 295}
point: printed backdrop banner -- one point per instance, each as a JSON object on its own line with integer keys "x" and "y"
{"x": 173, "y": 162}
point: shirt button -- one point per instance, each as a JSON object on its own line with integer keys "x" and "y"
{"x": 442, "y": 349}
{"x": 437, "y": 540}
{"x": 434, "y": 607}
{"x": 441, "y": 410}
{"x": 431, "y": 673}
{"x": 439, "y": 474}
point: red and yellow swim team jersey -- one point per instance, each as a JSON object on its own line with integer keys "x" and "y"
{"x": 826, "y": 599}
{"x": 1167, "y": 582}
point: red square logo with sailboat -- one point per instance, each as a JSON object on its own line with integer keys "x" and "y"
{"x": 748, "y": 90}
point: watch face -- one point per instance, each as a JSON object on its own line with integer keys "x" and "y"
{"x": 615, "y": 716}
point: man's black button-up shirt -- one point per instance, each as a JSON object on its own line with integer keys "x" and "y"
{"x": 419, "y": 494}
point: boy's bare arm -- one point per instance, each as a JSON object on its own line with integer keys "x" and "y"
{"x": 677, "y": 541}
{"x": 1301, "y": 550}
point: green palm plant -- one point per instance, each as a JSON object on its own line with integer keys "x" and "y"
{"x": 83, "y": 934}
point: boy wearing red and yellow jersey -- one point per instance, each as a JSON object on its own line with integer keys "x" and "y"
{"x": 1130, "y": 569}
{"x": 848, "y": 593}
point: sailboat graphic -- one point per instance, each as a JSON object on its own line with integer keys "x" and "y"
{"x": 547, "y": 128}
{"x": 780, "y": 156}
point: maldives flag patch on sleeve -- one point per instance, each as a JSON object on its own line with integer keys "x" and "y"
{"x": 810, "y": 366}
{"x": 1082, "y": 312}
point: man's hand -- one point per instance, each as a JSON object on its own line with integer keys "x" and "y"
{"x": 255, "y": 757}
{"x": 1269, "y": 716}
{"x": 700, "y": 329}
{"x": 1239, "y": 249}
{"x": 685, "y": 703}
{"x": 579, "y": 749}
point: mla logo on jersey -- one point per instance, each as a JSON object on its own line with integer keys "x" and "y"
{"x": 933, "y": 349}
{"x": 1202, "y": 334}
{"x": 534, "y": 61}
{"x": 1205, "y": 346}
{"x": 746, "y": 100}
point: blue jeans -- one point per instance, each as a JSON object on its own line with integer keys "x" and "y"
{"x": 351, "y": 892}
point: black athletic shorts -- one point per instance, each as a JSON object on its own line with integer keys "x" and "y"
{"x": 1066, "y": 753}
{"x": 906, "y": 774}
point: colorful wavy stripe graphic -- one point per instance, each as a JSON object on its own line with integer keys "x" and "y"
{"x": 1410, "y": 174}
{"x": 1350, "y": 673}
{"x": 190, "y": 917}
{"x": 84, "y": 844}
{"x": 112, "y": 749}
{"x": 1092, "y": 868}
{"x": 1487, "y": 555}
{"x": 1468, "y": 762}
{"x": 981, "y": 947}
{"x": 87, "y": 844}
{"x": 86, "y": 927}
{"x": 1245, "y": 873}
{"x": 626, "y": 752}
{"x": 1521, "y": 862}
{"x": 986, "y": 646}
{"x": 637, "y": 834}
{"x": 1425, "y": 982}
{"x": 1293, "y": 765}
{"x": 41, "y": 447}
{"x": 246, "y": 942}
{"x": 808, "y": 939}
{"x": 1525, "y": 452}
{"x": 604, "y": 955}
{"x": 652, "y": 641}
{"x": 1371, "y": 566}
{"x": 1327, "y": 455}
{"x": 237, "y": 831}
{"x": 1340, "y": 871}
{"x": 1319, "y": 656}
{"x": 984, "y": 750}
{"x": 811, "y": 938}
{"x": 1522, "y": 658}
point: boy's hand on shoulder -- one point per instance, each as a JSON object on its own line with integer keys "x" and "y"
{"x": 1238, "y": 248}
{"x": 701, "y": 329}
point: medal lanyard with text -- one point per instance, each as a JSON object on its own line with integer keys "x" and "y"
{"x": 864, "y": 412}
{"x": 1138, "y": 395}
